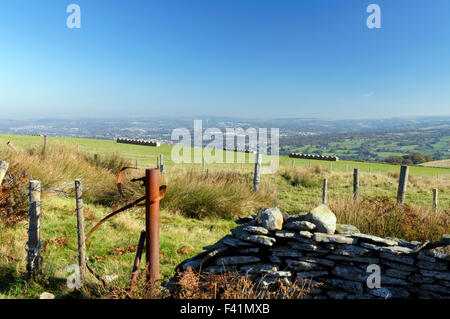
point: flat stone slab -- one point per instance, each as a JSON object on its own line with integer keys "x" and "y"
{"x": 320, "y": 261}
{"x": 374, "y": 239}
{"x": 397, "y": 273}
{"x": 346, "y": 229}
{"x": 257, "y": 230}
{"x": 347, "y": 285}
{"x": 436, "y": 274}
{"x": 294, "y": 235}
{"x": 285, "y": 251}
{"x": 350, "y": 273}
{"x": 395, "y": 250}
{"x": 260, "y": 268}
{"x": 257, "y": 239}
{"x": 438, "y": 266}
{"x": 300, "y": 225}
{"x": 409, "y": 260}
{"x": 307, "y": 247}
{"x": 399, "y": 266}
{"x": 332, "y": 238}
{"x": 237, "y": 260}
{"x": 312, "y": 274}
{"x": 234, "y": 242}
{"x": 363, "y": 260}
{"x": 298, "y": 265}
{"x": 350, "y": 250}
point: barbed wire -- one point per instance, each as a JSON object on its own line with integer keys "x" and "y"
{"x": 60, "y": 190}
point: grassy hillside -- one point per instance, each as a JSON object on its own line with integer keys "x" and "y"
{"x": 440, "y": 164}
{"x": 196, "y": 212}
{"x": 146, "y": 156}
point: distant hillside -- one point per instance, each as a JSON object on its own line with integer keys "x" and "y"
{"x": 440, "y": 164}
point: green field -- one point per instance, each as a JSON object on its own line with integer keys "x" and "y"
{"x": 147, "y": 156}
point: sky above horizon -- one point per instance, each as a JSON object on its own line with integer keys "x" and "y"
{"x": 246, "y": 58}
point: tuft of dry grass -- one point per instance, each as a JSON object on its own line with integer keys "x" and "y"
{"x": 223, "y": 194}
{"x": 300, "y": 177}
{"x": 382, "y": 217}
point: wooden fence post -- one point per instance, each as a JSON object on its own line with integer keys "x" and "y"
{"x": 346, "y": 167}
{"x": 80, "y": 227}
{"x": 3, "y": 169}
{"x": 96, "y": 157}
{"x": 355, "y": 184}
{"x": 34, "y": 259}
{"x": 161, "y": 163}
{"x": 257, "y": 174}
{"x": 402, "y": 184}
{"x": 11, "y": 146}
{"x": 203, "y": 164}
{"x": 136, "y": 164}
{"x": 44, "y": 148}
{"x": 207, "y": 172}
{"x": 435, "y": 198}
{"x": 293, "y": 164}
{"x": 324, "y": 191}
{"x": 157, "y": 162}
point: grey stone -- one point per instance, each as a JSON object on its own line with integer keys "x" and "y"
{"x": 424, "y": 293}
{"x": 337, "y": 294}
{"x": 327, "y": 238}
{"x": 390, "y": 292}
{"x": 244, "y": 220}
{"x": 256, "y": 230}
{"x": 345, "y": 229}
{"x": 440, "y": 253}
{"x": 436, "y": 274}
{"x": 374, "y": 239}
{"x": 300, "y": 225}
{"x": 423, "y": 256}
{"x": 386, "y": 280}
{"x": 360, "y": 296}
{"x": 203, "y": 258}
{"x": 350, "y": 250}
{"x": 312, "y": 274}
{"x": 395, "y": 250}
{"x": 364, "y": 260}
{"x": 419, "y": 279}
{"x": 399, "y": 266}
{"x": 438, "y": 266}
{"x": 278, "y": 274}
{"x": 234, "y": 242}
{"x": 260, "y": 268}
{"x": 298, "y": 265}
{"x": 392, "y": 272}
{"x": 220, "y": 269}
{"x": 400, "y": 259}
{"x": 237, "y": 260}
{"x": 288, "y": 234}
{"x": 403, "y": 243}
{"x": 257, "y": 239}
{"x": 299, "y": 217}
{"x": 444, "y": 283}
{"x": 350, "y": 273}
{"x": 219, "y": 243}
{"x": 270, "y": 218}
{"x": 46, "y": 295}
{"x": 321, "y": 261}
{"x": 436, "y": 288}
{"x": 307, "y": 247}
{"x": 348, "y": 285}
{"x": 246, "y": 251}
{"x": 285, "y": 251}
{"x": 323, "y": 218}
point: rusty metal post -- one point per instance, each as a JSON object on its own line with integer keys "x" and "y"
{"x": 152, "y": 223}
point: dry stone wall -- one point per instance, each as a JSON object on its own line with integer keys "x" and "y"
{"x": 273, "y": 245}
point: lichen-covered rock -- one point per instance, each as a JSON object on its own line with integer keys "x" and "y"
{"x": 345, "y": 229}
{"x": 328, "y": 238}
{"x": 270, "y": 218}
{"x": 323, "y": 218}
{"x": 237, "y": 260}
{"x": 300, "y": 225}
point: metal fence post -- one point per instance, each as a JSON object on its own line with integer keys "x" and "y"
{"x": 80, "y": 227}
{"x": 34, "y": 259}
{"x": 152, "y": 223}
{"x": 402, "y": 184}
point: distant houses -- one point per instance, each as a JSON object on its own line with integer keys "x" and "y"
{"x": 138, "y": 142}
{"x": 314, "y": 157}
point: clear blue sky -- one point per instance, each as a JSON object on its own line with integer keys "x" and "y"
{"x": 254, "y": 58}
